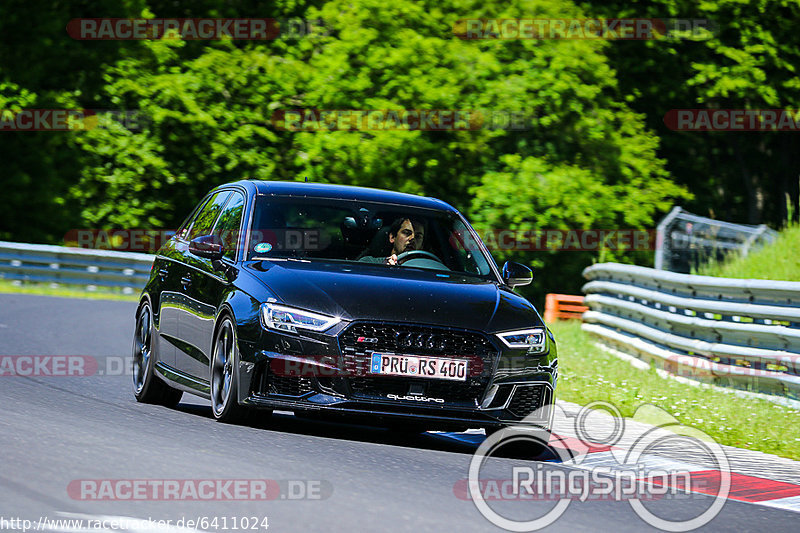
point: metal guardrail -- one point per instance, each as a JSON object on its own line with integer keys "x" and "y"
{"x": 732, "y": 332}
{"x": 74, "y": 266}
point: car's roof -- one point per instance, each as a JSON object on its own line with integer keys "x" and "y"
{"x": 326, "y": 190}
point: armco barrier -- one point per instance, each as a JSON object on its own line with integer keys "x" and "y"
{"x": 74, "y": 266}
{"x": 734, "y": 332}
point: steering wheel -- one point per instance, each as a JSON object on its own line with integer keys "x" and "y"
{"x": 416, "y": 254}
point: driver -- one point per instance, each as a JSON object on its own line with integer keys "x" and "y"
{"x": 405, "y": 235}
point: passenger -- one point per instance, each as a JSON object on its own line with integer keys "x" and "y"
{"x": 419, "y": 234}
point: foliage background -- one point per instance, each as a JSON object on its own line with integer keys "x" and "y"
{"x": 597, "y": 155}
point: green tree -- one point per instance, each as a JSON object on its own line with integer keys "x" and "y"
{"x": 211, "y": 114}
{"x": 41, "y": 67}
{"x": 585, "y": 159}
{"x": 748, "y": 61}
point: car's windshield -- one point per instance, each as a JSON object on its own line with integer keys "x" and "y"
{"x": 365, "y": 232}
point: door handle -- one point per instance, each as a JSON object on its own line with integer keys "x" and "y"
{"x": 162, "y": 272}
{"x": 186, "y": 281}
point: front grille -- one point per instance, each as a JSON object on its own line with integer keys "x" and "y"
{"x": 360, "y": 340}
{"x": 527, "y": 399}
{"x": 267, "y": 383}
{"x": 418, "y": 340}
{"x": 289, "y": 386}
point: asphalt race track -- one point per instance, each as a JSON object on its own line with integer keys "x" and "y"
{"x": 58, "y": 430}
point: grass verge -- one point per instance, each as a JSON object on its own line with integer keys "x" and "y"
{"x": 777, "y": 261}
{"x": 64, "y": 291}
{"x": 587, "y": 374}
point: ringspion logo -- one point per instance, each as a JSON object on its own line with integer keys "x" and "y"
{"x": 632, "y": 473}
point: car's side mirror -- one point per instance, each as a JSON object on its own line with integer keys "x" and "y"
{"x": 516, "y": 275}
{"x": 207, "y": 247}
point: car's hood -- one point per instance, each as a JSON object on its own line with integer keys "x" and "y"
{"x": 375, "y": 292}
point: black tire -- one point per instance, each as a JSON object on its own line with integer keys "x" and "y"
{"x": 147, "y": 387}
{"x": 224, "y": 374}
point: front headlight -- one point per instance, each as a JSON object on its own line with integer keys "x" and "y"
{"x": 285, "y": 318}
{"x": 534, "y": 339}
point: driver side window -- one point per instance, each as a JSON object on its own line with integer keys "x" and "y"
{"x": 228, "y": 225}
{"x": 205, "y": 219}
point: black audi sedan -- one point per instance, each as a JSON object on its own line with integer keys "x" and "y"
{"x": 335, "y": 300}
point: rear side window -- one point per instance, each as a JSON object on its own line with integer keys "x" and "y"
{"x": 204, "y": 222}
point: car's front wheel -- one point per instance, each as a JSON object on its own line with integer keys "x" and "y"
{"x": 147, "y": 387}
{"x": 224, "y": 374}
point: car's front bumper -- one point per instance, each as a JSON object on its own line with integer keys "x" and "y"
{"x": 507, "y": 387}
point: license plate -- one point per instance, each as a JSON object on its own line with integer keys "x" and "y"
{"x": 390, "y": 364}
